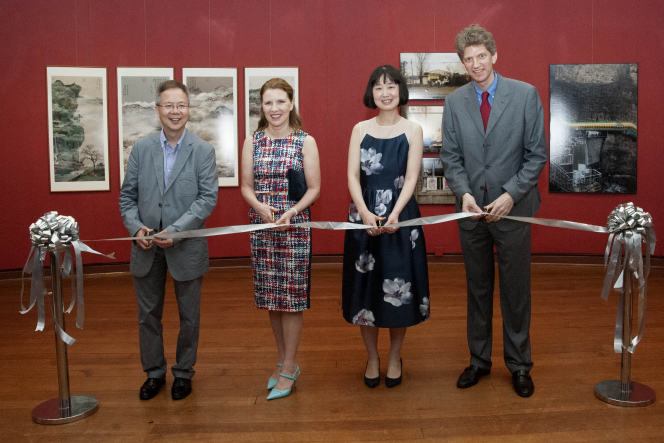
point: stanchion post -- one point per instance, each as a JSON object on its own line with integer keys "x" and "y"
{"x": 66, "y": 408}
{"x": 625, "y": 392}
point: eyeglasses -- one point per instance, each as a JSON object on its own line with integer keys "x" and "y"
{"x": 171, "y": 106}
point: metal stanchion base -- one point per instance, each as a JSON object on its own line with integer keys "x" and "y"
{"x": 48, "y": 413}
{"x": 611, "y": 392}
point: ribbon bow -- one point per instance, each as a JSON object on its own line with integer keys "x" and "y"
{"x": 629, "y": 226}
{"x": 58, "y": 234}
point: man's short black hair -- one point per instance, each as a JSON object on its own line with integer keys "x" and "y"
{"x": 390, "y": 73}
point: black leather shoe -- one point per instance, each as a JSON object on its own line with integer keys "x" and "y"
{"x": 181, "y": 388}
{"x": 372, "y": 382}
{"x": 471, "y": 375}
{"x": 522, "y": 383}
{"x": 151, "y": 388}
{"x": 392, "y": 382}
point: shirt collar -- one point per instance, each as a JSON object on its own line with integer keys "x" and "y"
{"x": 491, "y": 90}
{"x": 166, "y": 145}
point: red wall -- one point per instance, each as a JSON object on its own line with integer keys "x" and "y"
{"x": 336, "y": 44}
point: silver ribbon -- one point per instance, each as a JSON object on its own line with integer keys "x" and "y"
{"x": 57, "y": 234}
{"x": 629, "y": 226}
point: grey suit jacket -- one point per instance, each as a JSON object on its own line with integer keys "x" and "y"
{"x": 184, "y": 204}
{"x": 509, "y": 157}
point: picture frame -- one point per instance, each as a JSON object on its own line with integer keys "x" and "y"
{"x": 254, "y": 78}
{"x": 432, "y": 188}
{"x": 593, "y": 128}
{"x": 213, "y": 116}
{"x": 432, "y": 75}
{"x": 137, "y": 90}
{"x": 77, "y": 128}
{"x": 430, "y": 118}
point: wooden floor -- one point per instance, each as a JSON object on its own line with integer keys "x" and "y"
{"x": 572, "y": 339}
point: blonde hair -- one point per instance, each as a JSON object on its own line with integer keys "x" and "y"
{"x": 474, "y": 35}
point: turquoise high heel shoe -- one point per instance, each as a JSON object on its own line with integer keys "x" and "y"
{"x": 275, "y": 393}
{"x": 272, "y": 382}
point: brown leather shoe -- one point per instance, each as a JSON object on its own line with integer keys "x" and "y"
{"x": 181, "y": 388}
{"x": 523, "y": 383}
{"x": 151, "y": 388}
{"x": 471, "y": 375}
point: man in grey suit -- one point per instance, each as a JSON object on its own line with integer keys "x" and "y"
{"x": 494, "y": 149}
{"x": 170, "y": 186}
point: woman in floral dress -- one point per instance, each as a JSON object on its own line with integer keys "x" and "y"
{"x": 385, "y": 276}
{"x": 280, "y": 257}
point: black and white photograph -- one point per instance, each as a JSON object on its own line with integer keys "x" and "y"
{"x": 78, "y": 128}
{"x": 593, "y": 128}
{"x": 432, "y": 167}
{"x": 213, "y": 115}
{"x": 137, "y": 91}
{"x": 432, "y": 75}
{"x": 430, "y": 118}
{"x": 254, "y": 79}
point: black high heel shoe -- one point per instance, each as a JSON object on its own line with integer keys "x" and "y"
{"x": 372, "y": 382}
{"x": 392, "y": 382}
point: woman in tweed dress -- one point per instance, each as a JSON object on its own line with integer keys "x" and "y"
{"x": 281, "y": 257}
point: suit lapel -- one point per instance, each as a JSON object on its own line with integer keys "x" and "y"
{"x": 183, "y": 155}
{"x": 158, "y": 160}
{"x": 473, "y": 108}
{"x": 500, "y": 101}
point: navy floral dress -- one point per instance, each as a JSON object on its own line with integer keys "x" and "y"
{"x": 385, "y": 278}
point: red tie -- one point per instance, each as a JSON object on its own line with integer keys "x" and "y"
{"x": 485, "y": 108}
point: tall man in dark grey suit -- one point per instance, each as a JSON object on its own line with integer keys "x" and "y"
{"x": 170, "y": 186}
{"x": 494, "y": 149}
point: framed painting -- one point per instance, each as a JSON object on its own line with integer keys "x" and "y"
{"x": 137, "y": 91}
{"x": 213, "y": 115}
{"x": 593, "y": 128}
{"x": 430, "y": 118}
{"x": 254, "y": 78}
{"x": 432, "y": 187}
{"x": 78, "y": 128}
{"x": 432, "y": 75}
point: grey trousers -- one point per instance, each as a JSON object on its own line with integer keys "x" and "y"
{"x": 513, "y": 249}
{"x": 150, "y": 293}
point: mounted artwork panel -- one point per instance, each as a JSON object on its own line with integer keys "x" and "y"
{"x": 137, "y": 91}
{"x": 213, "y": 115}
{"x": 593, "y": 128}
{"x": 78, "y": 128}
{"x": 430, "y": 118}
{"x": 432, "y": 187}
{"x": 254, "y": 78}
{"x": 432, "y": 75}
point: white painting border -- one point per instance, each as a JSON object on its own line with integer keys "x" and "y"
{"x": 272, "y": 73}
{"x": 77, "y": 72}
{"x": 221, "y": 72}
{"x": 133, "y": 72}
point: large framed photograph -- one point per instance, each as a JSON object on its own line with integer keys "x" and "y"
{"x": 213, "y": 115}
{"x": 432, "y": 187}
{"x": 593, "y": 128}
{"x": 77, "y": 128}
{"x": 430, "y": 118}
{"x": 254, "y": 78}
{"x": 137, "y": 92}
{"x": 432, "y": 75}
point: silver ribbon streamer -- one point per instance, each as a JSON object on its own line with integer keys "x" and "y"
{"x": 629, "y": 226}
{"x": 58, "y": 234}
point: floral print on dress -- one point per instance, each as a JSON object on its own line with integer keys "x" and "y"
{"x": 364, "y": 317}
{"x": 397, "y": 292}
{"x": 399, "y": 181}
{"x": 365, "y": 263}
{"x": 370, "y": 161}
{"x": 383, "y": 198}
{"x": 353, "y": 214}
{"x": 424, "y": 307}
{"x": 414, "y": 235}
